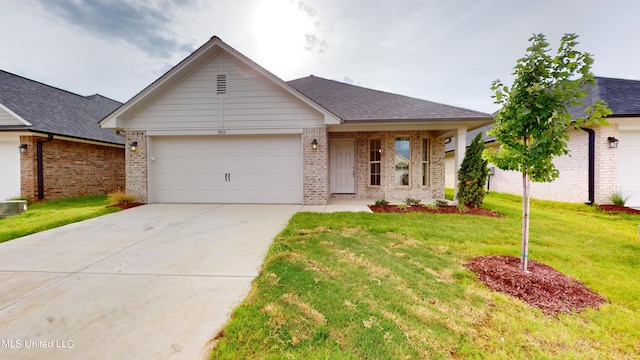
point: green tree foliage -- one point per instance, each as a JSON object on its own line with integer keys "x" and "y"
{"x": 533, "y": 122}
{"x": 472, "y": 175}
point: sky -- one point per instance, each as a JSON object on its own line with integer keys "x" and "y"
{"x": 447, "y": 51}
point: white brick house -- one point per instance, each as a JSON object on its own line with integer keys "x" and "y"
{"x": 219, "y": 128}
{"x": 586, "y": 178}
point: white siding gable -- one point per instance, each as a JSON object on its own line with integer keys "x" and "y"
{"x": 8, "y": 117}
{"x": 225, "y": 95}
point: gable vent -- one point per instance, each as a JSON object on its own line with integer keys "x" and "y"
{"x": 221, "y": 84}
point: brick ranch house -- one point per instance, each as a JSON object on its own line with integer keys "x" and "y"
{"x": 217, "y": 127}
{"x": 601, "y": 160}
{"x": 51, "y": 145}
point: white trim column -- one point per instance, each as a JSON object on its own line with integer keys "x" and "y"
{"x": 461, "y": 147}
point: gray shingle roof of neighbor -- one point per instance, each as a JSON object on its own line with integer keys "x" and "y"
{"x": 56, "y": 111}
{"x": 621, "y": 95}
{"x": 355, "y": 103}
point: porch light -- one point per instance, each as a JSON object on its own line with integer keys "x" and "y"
{"x": 22, "y": 148}
{"x": 613, "y": 142}
{"x": 314, "y": 144}
{"x": 134, "y": 146}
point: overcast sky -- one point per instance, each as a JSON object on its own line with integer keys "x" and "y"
{"x": 447, "y": 51}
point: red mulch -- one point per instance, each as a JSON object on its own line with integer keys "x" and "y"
{"x": 124, "y": 206}
{"x": 619, "y": 209}
{"x": 438, "y": 210}
{"x": 543, "y": 287}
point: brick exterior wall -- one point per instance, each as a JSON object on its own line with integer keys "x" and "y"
{"x": 606, "y": 164}
{"x": 387, "y": 189}
{"x": 573, "y": 183}
{"x": 71, "y": 168}
{"x": 315, "y": 167}
{"x": 136, "y": 165}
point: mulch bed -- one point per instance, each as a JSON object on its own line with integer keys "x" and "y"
{"x": 619, "y": 209}
{"x": 124, "y": 206}
{"x": 437, "y": 210}
{"x": 543, "y": 287}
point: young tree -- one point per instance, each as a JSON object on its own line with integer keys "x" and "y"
{"x": 533, "y": 123}
{"x": 472, "y": 175}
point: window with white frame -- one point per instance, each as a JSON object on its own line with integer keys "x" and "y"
{"x": 402, "y": 161}
{"x": 425, "y": 162}
{"x": 375, "y": 156}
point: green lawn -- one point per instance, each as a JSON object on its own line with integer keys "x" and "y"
{"x": 53, "y": 213}
{"x": 394, "y": 286}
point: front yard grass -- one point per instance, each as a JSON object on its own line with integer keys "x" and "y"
{"x": 394, "y": 286}
{"x": 53, "y": 213}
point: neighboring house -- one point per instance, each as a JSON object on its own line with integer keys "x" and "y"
{"x": 602, "y": 160}
{"x": 51, "y": 145}
{"x": 219, "y": 128}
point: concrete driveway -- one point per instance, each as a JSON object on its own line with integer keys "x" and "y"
{"x": 152, "y": 282}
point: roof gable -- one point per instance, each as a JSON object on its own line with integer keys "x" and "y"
{"x": 355, "y": 103}
{"x": 42, "y": 108}
{"x": 191, "y": 63}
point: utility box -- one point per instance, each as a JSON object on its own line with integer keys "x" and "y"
{"x": 12, "y": 207}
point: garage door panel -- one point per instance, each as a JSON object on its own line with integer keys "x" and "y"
{"x": 232, "y": 169}
{"x": 629, "y": 166}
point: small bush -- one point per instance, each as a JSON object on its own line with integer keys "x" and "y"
{"x": 441, "y": 203}
{"x": 462, "y": 207}
{"x": 381, "y": 202}
{"x": 619, "y": 198}
{"x": 412, "y": 201}
{"x": 431, "y": 206}
{"x": 121, "y": 197}
{"x": 403, "y": 207}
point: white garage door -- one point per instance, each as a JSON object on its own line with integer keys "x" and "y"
{"x": 9, "y": 167}
{"x": 225, "y": 169}
{"x": 629, "y": 166}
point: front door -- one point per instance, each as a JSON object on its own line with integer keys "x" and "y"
{"x": 342, "y": 157}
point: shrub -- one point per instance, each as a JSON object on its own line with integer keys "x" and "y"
{"x": 472, "y": 175}
{"x": 403, "y": 207}
{"x": 431, "y": 206}
{"x": 619, "y": 198}
{"x": 441, "y": 203}
{"x": 412, "y": 201}
{"x": 121, "y": 197}
{"x": 381, "y": 202}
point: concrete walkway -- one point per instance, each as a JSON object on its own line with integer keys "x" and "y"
{"x": 152, "y": 282}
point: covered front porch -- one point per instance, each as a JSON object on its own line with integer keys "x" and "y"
{"x": 391, "y": 163}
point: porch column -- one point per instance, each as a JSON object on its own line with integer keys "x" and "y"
{"x": 461, "y": 147}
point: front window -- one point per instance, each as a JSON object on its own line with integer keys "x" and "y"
{"x": 375, "y": 155}
{"x": 403, "y": 161}
{"x": 425, "y": 162}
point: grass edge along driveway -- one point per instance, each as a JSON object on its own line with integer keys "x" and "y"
{"x": 394, "y": 286}
{"x": 52, "y": 214}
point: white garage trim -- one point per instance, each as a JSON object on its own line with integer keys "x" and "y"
{"x": 629, "y": 166}
{"x": 226, "y": 169}
{"x": 9, "y": 166}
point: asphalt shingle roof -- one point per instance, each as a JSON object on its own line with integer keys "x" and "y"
{"x": 355, "y": 103}
{"x": 57, "y": 111}
{"x": 621, "y": 95}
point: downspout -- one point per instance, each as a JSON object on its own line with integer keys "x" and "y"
{"x": 40, "y": 167}
{"x": 592, "y": 165}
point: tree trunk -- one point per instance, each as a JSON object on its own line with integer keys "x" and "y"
{"x": 526, "y": 206}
